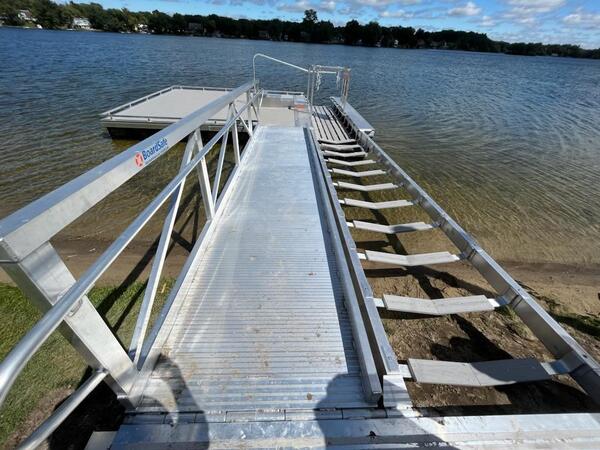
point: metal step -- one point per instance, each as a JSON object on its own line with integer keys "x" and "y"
{"x": 376, "y": 205}
{"x": 439, "y": 306}
{"x": 366, "y": 173}
{"x": 342, "y": 142}
{"x": 392, "y": 229}
{"x": 345, "y": 155}
{"x": 363, "y": 162}
{"x": 365, "y": 188}
{"x": 479, "y": 374}
{"x": 339, "y": 147}
{"x": 423, "y": 259}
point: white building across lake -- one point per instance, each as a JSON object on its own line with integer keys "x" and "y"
{"x": 81, "y": 23}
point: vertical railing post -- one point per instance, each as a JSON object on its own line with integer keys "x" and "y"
{"x": 249, "y": 113}
{"x": 310, "y": 89}
{"x": 139, "y": 333}
{"x": 221, "y": 160}
{"x": 236, "y": 142}
{"x": 207, "y": 198}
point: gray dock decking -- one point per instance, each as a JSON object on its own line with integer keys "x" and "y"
{"x": 262, "y": 324}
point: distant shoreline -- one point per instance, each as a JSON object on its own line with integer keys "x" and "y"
{"x": 291, "y": 42}
{"x": 310, "y": 30}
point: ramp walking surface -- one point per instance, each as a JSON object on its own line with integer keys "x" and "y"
{"x": 262, "y": 324}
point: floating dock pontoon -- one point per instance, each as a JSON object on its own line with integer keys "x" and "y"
{"x": 271, "y": 336}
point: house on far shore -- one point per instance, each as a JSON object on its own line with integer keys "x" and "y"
{"x": 26, "y": 16}
{"x": 81, "y": 23}
{"x": 141, "y": 28}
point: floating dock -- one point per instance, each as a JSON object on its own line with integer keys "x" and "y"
{"x": 167, "y": 106}
{"x": 271, "y": 336}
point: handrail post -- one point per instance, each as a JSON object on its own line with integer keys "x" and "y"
{"x": 25, "y": 230}
{"x": 236, "y": 143}
{"x": 207, "y": 198}
{"x": 221, "y": 160}
{"x": 42, "y": 276}
{"x": 143, "y": 319}
{"x": 249, "y": 114}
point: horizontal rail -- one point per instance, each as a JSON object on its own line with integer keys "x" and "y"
{"x": 384, "y": 356}
{"x": 62, "y": 412}
{"x": 16, "y": 360}
{"x": 371, "y": 382}
{"x": 28, "y": 228}
{"x": 137, "y": 101}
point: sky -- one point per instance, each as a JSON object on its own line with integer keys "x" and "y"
{"x": 547, "y": 21}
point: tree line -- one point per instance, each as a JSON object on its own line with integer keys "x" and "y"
{"x": 59, "y": 16}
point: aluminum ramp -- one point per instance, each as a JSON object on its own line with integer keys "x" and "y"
{"x": 262, "y": 324}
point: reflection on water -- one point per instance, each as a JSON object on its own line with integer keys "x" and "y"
{"x": 509, "y": 145}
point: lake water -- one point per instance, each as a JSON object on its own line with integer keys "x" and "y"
{"x": 509, "y": 145}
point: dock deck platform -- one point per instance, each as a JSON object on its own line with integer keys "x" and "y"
{"x": 165, "y": 107}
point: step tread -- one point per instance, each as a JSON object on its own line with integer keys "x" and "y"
{"x": 487, "y": 373}
{"x": 437, "y": 307}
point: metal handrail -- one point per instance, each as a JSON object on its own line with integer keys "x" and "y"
{"x": 372, "y": 385}
{"x": 15, "y": 361}
{"x": 311, "y": 79}
{"x": 261, "y": 55}
{"x": 27, "y": 229}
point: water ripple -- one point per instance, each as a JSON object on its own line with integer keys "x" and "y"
{"x": 509, "y": 145}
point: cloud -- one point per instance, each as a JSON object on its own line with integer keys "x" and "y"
{"x": 528, "y": 7}
{"x": 555, "y": 36}
{"x": 297, "y": 6}
{"x": 583, "y": 19}
{"x": 303, "y": 5}
{"x": 398, "y": 14}
{"x": 527, "y": 12}
{"x": 470, "y": 9}
{"x": 376, "y": 4}
{"x": 487, "y": 21}
{"x": 362, "y": 7}
{"x": 327, "y": 5}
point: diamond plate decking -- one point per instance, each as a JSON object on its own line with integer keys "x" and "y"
{"x": 263, "y": 323}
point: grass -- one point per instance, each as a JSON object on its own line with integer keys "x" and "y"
{"x": 57, "y": 368}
